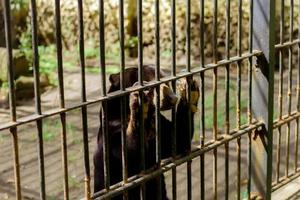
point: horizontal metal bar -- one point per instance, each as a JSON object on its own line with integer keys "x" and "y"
{"x": 53, "y": 112}
{"x": 287, "y": 44}
{"x": 286, "y": 119}
{"x": 285, "y": 181}
{"x": 170, "y": 163}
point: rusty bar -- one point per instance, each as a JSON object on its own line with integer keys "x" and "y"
{"x": 140, "y": 80}
{"x": 263, "y": 91}
{"x": 202, "y": 101}
{"x": 61, "y": 97}
{"x": 103, "y": 113}
{"x": 173, "y": 65}
{"x": 280, "y": 93}
{"x": 288, "y": 44}
{"x": 157, "y": 113}
{"x": 123, "y": 101}
{"x": 238, "y": 105}
{"x": 215, "y": 108}
{"x": 10, "y": 77}
{"x": 227, "y": 88}
{"x": 14, "y": 135}
{"x": 289, "y": 92}
{"x": 59, "y": 54}
{"x": 238, "y": 165}
{"x": 249, "y": 110}
{"x": 38, "y": 111}
{"x": 189, "y": 79}
{"x": 87, "y": 178}
{"x": 64, "y": 147}
{"x": 12, "y": 96}
{"x": 298, "y": 98}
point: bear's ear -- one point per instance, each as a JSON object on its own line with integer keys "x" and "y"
{"x": 114, "y": 79}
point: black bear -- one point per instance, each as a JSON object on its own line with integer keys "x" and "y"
{"x": 114, "y": 127}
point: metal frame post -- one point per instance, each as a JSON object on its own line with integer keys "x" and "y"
{"x": 262, "y": 98}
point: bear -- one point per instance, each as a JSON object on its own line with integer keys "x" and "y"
{"x": 114, "y": 125}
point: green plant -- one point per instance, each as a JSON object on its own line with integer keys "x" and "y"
{"x": 91, "y": 52}
{"x": 18, "y": 4}
{"x": 51, "y": 130}
{"x": 132, "y": 42}
{"x": 73, "y": 182}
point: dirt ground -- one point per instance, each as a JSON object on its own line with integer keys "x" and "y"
{"x": 52, "y": 144}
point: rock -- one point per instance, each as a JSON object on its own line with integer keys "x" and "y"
{"x": 25, "y": 86}
{"x": 21, "y": 64}
{"x": 4, "y": 97}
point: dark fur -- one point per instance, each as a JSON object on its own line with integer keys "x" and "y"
{"x": 114, "y": 127}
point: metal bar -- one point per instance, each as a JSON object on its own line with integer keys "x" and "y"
{"x": 189, "y": 79}
{"x": 14, "y": 135}
{"x": 64, "y": 147}
{"x": 215, "y": 108}
{"x": 104, "y": 125}
{"x": 61, "y": 97}
{"x": 249, "y": 111}
{"x": 173, "y": 65}
{"x": 119, "y": 188}
{"x": 238, "y": 106}
{"x": 38, "y": 111}
{"x": 298, "y": 97}
{"x": 263, "y": 91}
{"x": 87, "y": 178}
{"x": 123, "y": 99}
{"x": 227, "y": 91}
{"x": 140, "y": 40}
{"x": 286, "y": 119}
{"x": 202, "y": 101}
{"x": 289, "y": 92}
{"x": 10, "y": 77}
{"x": 12, "y": 96}
{"x": 280, "y": 93}
{"x": 140, "y": 80}
{"x": 59, "y": 54}
{"x": 157, "y": 114}
{"x": 288, "y": 44}
{"x": 276, "y": 186}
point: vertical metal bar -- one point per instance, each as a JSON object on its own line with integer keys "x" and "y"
{"x": 38, "y": 111}
{"x": 189, "y": 79}
{"x": 280, "y": 92}
{"x": 140, "y": 79}
{"x": 59, "y": 53}
{"x": 173, "y": 49}
{"x": 202, "y": 102}
{"x": 250, "y": 98}
{"x": 13, "y": 132}
{"x": 157, "y": 77}
{"x": 238, "y": 106}
{"x": 263, "y": 91}
{"x": 298, "y": 95}
{"x": 61, "y": 96}
{"x": 123, "y": 99}
{"x": 215, "y": 108}
{"x": 8, "y": 41}
{"x": 140, "y": 39}
{"x": 289, "y": 94}
{"x": 87, "y": 178}
{"x": 104, "y": 93}
{"x": 227, "y": 88}
{"x": 238, "y": 146}
{"x": 12, "y": 97}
